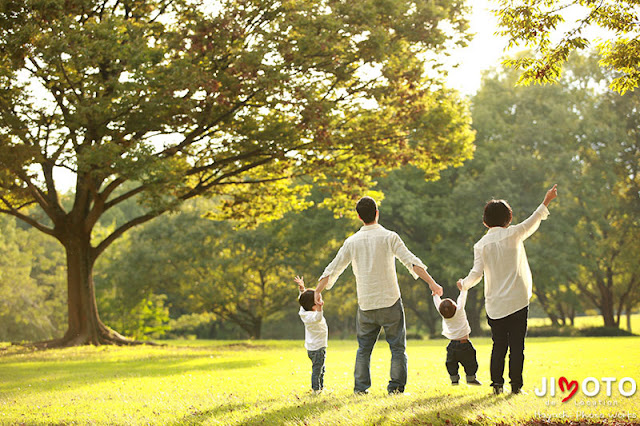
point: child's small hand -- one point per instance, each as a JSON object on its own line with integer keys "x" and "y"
{"x": 300, "y": 281}
{"x": 459, "y": 284}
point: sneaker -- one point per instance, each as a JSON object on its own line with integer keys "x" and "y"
{"x": 474, "y": 382}
{"x": 518, "y": 391}
{"x": 363, "y": 392}
{"x": 497, "y": 390}
{"x": 456, "y": 383}
{"x": 395, "y": 392}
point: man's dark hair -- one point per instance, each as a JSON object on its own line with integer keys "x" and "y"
{"x": 447, "y": 308}
{"x": 307, "y": 300}
{"x": 367, "y": 209}
{"x": 497, "y": 213}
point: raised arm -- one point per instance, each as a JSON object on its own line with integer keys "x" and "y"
{"x": 532, "y": 223}
{"x": 550, "y": 195}
{"x": 462, "y": 299}
{"x": 300, "y": 281}
{"x": 333, "y": 271}
{"x": 476, "y": 272}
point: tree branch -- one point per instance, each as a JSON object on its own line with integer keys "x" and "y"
{"x": 121, "y": 230}
{"x": 29, "y": 220}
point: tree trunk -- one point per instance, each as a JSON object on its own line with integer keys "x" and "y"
{"x": 254, "y": 328}
{"x": 549, "y": 310}
{"x": 572, "y": 315}
{"x": 85, "y": 326}
{"x": 606, "y": 305}
{"x": 629, "y": 320}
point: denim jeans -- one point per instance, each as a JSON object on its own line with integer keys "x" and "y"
{"x": 317, "y": 368}
{"x": 368, "y": 325}
{"x": 508, "y": 333}
{"x": 461, "y": 353}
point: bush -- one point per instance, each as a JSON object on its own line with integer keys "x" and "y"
{"x": 551, "y": 331}
{"x": 604, "y": 331}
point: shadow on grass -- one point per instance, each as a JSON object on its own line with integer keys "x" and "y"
{"x": 44, "y": 375}
{"x": 300, "y": 410}
{"x": 311, "y": 409}
{"x": 456, "y": 407}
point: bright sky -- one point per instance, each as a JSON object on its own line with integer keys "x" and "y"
{"x": 483, "y": 52}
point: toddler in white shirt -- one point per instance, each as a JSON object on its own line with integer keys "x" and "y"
{"x": 315, "y": 333}
{"x": 455, "y": 327}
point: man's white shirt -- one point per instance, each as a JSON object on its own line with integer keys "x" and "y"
{"x": 501, "y": 257}
{"x": 457, "y": 326}
{"x": 372, "y": 252}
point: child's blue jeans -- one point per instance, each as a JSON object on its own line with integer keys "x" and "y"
{"x": 317, "y": 369}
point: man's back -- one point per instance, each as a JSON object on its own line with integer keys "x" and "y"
{"x": 372, "y": 252}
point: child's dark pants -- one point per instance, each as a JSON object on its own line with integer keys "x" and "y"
{"x": 465, "y": 354}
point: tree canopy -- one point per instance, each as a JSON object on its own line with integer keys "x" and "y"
{"x": 555, "y": 28}
{"x": 161, "y": 101}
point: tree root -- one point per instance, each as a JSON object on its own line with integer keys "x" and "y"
{"x": 103, "y": 336}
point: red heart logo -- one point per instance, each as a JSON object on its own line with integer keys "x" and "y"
{"x": 572, "y": 387}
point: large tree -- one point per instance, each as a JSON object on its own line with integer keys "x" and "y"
{"x": 555, "y": 28}
{"x": 161, "y": 101}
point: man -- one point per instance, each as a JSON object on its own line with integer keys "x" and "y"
{"x": 372, "y": 252}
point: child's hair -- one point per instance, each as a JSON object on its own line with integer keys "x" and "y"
{"x": 447, "y": 308}
{"x": 367, "y": 208}
{"x": 497, "y": 213}
{"x": 307, "y": 300}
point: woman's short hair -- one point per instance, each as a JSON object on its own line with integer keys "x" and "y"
{"x": 497, "y": 213}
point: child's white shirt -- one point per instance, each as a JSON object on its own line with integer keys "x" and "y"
{"x": 316, "y": 331}
{"x": 457, "y": 326}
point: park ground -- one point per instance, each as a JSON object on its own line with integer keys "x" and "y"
{"x": 268, "y": 382}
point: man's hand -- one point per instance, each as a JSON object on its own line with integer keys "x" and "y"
{"x": 436, "y": 289}
{"x": 551, "y": 194}
{"x": 300, "y": 281}
{"x": 459, "y": 284}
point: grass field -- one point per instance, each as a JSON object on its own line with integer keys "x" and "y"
{"x": 267, "y": 382}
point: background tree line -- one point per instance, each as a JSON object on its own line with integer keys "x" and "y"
{"x": 184, "y": 274}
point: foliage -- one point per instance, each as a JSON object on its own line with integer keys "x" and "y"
{"x": 31, "y": 278}
{"x": 234, "y": 100}
{"x": 543, "y": 25}
{"x": 239, "y": 276}
{"x": 240, "y": 382}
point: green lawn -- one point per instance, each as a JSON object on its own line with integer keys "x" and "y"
{"x": 234, "y": 383}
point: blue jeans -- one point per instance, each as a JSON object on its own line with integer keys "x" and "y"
{"x": 317, "y": 368}
{"x": 368, "y": 325}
